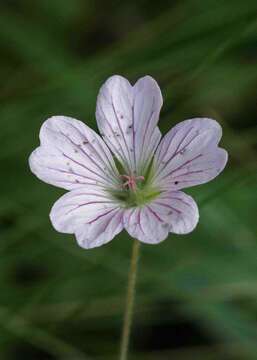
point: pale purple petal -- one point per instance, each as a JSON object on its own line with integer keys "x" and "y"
{"x": 180, "y": 209}
{"x": 189, "y": 154}
{"x": 103, "y": 228}
{"x": 143, "y": 224}
{"x": 127, "y": 118}
{"x": 89, "y": 213}
{"x": 72, "y": 155}
{"x": 172, "y": 211}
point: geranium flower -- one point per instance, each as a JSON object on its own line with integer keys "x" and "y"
{"x": 130, "y": 178}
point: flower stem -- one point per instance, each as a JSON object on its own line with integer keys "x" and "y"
{"x": 129, "y": 301}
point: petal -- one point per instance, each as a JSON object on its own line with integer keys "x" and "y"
{"x": 172, "y": 211}
{"x": 189, "y": 154}
{"x": 72, "y": 155}
{"x": 181, "y": 210}
{"x": 89, "y": 213}
{"x": 127, "y": 118}
{"x": 145, "y": 225}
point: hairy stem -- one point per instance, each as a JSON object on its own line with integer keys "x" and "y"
{"x": 129, "y": 301}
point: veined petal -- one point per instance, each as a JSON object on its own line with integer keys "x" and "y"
{"x": 72, "y": 155}
{"x": 181, "y": 211}
{"x": 145, "y": 225}
{"x": 127, "y": 117}
{"x": 91, "y": 214}
{"x": 189, "y": 154}
{"x": 172, "y": 211}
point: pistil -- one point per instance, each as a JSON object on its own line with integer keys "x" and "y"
{"x": 131, "y": 181}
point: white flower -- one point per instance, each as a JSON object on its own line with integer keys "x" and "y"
{"x": 130, "y": 179}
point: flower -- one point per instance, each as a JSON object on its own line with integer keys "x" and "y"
{"x": 130, "y": 178}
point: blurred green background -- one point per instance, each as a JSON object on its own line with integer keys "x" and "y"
{"x": 197, "y": 294}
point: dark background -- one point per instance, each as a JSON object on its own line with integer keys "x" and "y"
{"x": 197, "y": 294}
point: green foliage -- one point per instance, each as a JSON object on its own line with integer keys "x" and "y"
{"x": 58, "y": 301}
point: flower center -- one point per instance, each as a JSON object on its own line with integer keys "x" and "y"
{"x": 135, "y": 190}
{"x": 131, "y": 181}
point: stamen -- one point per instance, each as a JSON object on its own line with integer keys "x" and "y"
{"x": 131, "y": 181}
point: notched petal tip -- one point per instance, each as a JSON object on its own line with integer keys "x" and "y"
{"x": 101, "y": 230}
{"x": 91, "y": 214}
{"x": 189, "y": 155}
{"x": 172, "y": 212}
{"x": 127, "y": 117}
{"x": 72, "y": 155}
